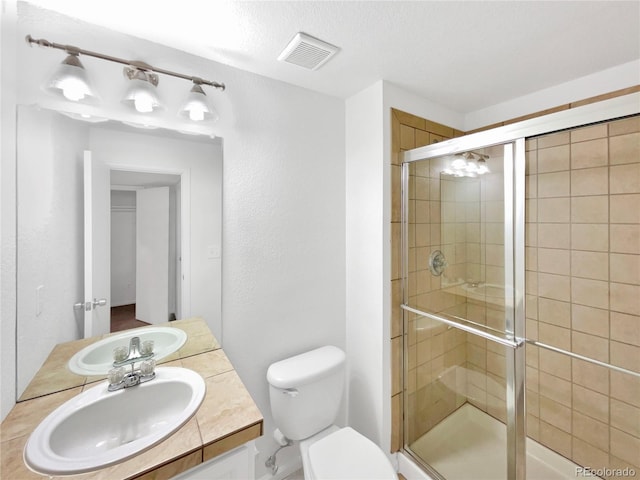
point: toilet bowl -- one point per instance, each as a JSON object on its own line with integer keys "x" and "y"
{"x": 343, "y": 453}
{"x": 305, "y": 393}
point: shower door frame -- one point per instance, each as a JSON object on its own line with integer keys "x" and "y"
{"x": 514, "y": 335}
{"x": 514, "y": 200}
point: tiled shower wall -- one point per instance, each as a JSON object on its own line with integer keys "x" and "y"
{"x": 583, "y": 292}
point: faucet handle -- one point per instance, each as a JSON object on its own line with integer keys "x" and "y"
{"x": 120, "y": 353}
{"x": 146, "y": 347}
{"x": 147, "y": 367}
{"x": 115, "y": 375}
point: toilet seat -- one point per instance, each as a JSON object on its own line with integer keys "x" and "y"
{"x": 346, "y": 453}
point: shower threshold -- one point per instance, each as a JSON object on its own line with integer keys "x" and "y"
{"x": 471, "y": 445}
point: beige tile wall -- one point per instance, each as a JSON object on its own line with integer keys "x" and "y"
{"x": 583, "y": 272}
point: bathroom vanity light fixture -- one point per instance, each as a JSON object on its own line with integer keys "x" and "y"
{"x": 141, "y": 94}
{"x": 468, "y": 164}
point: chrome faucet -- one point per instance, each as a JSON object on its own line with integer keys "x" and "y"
{"x": 136, "y": 352}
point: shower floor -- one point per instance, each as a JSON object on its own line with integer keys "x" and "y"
{"x": 469, "y": 444}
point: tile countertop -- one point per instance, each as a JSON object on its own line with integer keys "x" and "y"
{"x": 227, "y": 418}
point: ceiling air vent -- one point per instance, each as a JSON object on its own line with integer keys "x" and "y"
{"x": 307, "y": 52}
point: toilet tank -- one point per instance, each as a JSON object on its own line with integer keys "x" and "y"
{"x": 306, "y": 391}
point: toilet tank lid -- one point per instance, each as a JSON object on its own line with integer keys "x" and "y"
{"x": 305, "y": 368}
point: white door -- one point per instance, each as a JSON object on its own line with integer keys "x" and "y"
{"x": 152, "y": 255}
{"x": 97, "y": 247}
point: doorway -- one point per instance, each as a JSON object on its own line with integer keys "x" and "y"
{"x": 145, "y": 249}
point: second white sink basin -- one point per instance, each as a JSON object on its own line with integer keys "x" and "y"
{"x": 98, "y": 428}
{"x": 97, "y": 358}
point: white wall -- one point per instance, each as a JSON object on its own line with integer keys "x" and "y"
{"x": 51, "y": 242}
{"x": 284, "y": 232}
{"x": 367, "y": 226}
{"x": 8, "y": 22}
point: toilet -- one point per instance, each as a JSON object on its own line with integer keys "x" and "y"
{"x": 305, "y": 393}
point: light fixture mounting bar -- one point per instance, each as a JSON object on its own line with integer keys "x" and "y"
{"x": 72, "y": 50}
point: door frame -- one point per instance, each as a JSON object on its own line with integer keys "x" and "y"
{"x": 97, "y": 313}
{"x": 184, "y": 253}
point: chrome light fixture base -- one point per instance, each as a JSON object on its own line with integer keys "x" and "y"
{"x": 141, "y": 71}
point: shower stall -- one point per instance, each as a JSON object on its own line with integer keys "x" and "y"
{"x": 521, "y": 288}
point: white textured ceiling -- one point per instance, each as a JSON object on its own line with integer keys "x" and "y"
{"x": 462, "y": 55}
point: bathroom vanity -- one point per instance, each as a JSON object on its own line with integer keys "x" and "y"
{"x": 218, "y": 438}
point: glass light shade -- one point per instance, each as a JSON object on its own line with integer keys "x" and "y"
{"x": 482, "y": 167}
{"x": 141, "y": 95}
{"x": 467, "y": 165}
{"x": 70, "y": 81}
{"x": 197, "y": 107}
{"x": 458, "y": 164}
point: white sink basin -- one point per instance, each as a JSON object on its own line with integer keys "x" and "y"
{"x": 98, "y": 428}
{"x": 97, "y": 358}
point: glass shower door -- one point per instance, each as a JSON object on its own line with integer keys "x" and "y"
{"x": 463, "y": 215}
